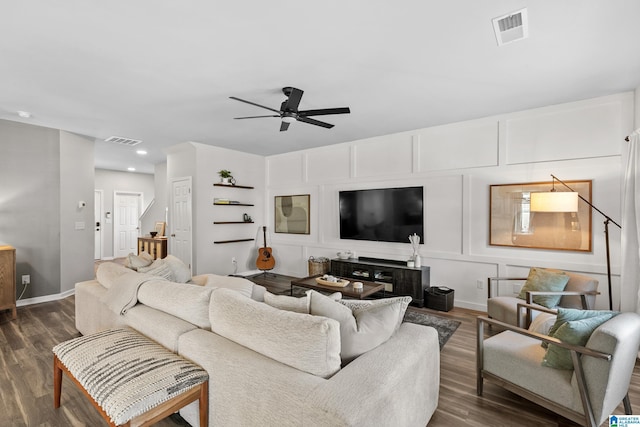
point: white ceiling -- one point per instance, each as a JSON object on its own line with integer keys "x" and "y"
{"x": 162, "y": 71}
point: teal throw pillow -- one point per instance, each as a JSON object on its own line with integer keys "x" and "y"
{"x": 544, "y": 280}
{"x": 576, "y": 332}
{"x": 569, "y": 314}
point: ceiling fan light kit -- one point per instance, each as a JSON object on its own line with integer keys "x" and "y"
{"x": 289, "y": 113}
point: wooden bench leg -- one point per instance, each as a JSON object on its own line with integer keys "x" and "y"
{"x": 57, "y": 382}
{"x": 204, "y": 404}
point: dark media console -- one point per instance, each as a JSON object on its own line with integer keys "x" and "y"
{"x": 399, "y": 280}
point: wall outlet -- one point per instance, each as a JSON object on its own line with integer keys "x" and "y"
{"x": 479, "y": 283}
{"x": 233, "y": 260}
{"x": 26, "y": 279}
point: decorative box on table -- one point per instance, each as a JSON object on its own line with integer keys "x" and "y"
{"x": 439, "y": 298}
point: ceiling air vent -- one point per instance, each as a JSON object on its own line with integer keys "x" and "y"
{"x": 123, "y": 141}
{"x": 512, "y": 27}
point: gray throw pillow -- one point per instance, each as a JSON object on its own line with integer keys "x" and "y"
{"x": 179, "y": 270}
{"x": 363, "y": 329}
{"x": 158, "y": 268}
{"x": 298, "y": 305}
{"x": 544, "y": 280}
{"x": 134, "y": 262}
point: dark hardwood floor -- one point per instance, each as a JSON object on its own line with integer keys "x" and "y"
{"x": 26, "y": 383}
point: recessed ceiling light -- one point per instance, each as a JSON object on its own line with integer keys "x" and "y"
{"x": 141, "y": 152}
{"x": 131, "y": 169}
{"x": 24, "y": 114}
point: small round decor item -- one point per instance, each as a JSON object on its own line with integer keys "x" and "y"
{"x": 358, "y": 286}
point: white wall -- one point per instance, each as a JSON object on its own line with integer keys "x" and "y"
{"x": 43, "y": 174}
{"x": 110, "y": 182}
{"x": 158, "y": 211}
{"x": 202, "y": 163}
{"x": 456, "y": 164}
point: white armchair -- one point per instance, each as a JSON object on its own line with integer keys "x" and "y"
{"x": 589, "y": 393}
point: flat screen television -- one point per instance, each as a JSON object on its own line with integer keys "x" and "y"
{"x": 384, "y": 215}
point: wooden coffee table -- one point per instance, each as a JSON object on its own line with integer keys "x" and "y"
{"x": 368, "y": 288}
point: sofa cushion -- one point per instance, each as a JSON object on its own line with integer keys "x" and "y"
{"x": 308, "y": 343}
{"x": 187, "y": 302}
{"x": 366, "y": 326}
{"x": 180, "y": 272}
{"x": 540, "y": 279}
{"x": 238, "y": 284}
{"x": 299, "y": 305}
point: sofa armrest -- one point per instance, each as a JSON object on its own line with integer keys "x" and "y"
{"x": 397, "y": 383}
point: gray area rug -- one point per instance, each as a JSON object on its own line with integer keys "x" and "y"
{"x": 445, "y": 327}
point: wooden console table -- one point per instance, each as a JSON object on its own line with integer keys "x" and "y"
{"x": 8, "y": 280}
{"x": 154, "y": 246}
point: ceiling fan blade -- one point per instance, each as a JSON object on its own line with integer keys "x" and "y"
{"x": 291, "y": 104}
{"x": 284, "y": 126}
{"x": 256, "y": 117}
{"x": 253, "y": 103}
{"x": 324, "y": 111}
{"x": 315, "y": 122}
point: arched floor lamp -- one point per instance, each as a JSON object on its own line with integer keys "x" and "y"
{"x": 567, "y": 201}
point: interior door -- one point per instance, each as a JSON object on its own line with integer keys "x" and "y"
{"x": 126, "y": 227}
{"x": 180, "y": 221}
{"x": 97, "y": 212}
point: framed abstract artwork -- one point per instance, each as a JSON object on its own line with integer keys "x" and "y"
{"x": 292, "y": 214}
{"x": 513, "y": 223}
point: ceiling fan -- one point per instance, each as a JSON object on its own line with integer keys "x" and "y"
{"x": 289, "y": 112}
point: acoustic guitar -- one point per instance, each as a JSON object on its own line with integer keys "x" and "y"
{"x": 265, "y": 260}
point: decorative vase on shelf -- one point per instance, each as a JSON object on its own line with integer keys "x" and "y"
{"x": 417, "y": 261}
{"x": 226, "y": 181}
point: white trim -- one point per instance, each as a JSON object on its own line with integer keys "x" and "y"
{"x": 45, "y": 298}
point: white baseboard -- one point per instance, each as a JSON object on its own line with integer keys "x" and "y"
{"x": 46, "y": 298}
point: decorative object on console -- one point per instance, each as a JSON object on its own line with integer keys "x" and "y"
{"x": 292, "y": 214}
{"x": 415, "y": 245}
{"x": 289, "y": 112}
{"x": 160, "y": 228}
{"x": 345, "y": 254}
{"x": 550, "y": 202}
{"x": 513, "y": 221}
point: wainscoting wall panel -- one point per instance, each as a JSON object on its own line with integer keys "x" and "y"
{"x": 441, "y": 146}
{"x": 571, "y": 131}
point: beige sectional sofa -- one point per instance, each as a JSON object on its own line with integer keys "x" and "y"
{"x": 267, "y": 366}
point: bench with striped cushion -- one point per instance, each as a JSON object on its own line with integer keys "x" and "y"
{"x": 129, "y": 378}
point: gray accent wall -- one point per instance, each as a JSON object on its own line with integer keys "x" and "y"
{"x": 31, "y": 213}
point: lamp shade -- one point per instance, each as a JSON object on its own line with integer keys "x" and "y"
{"x": 556, "y": 201}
